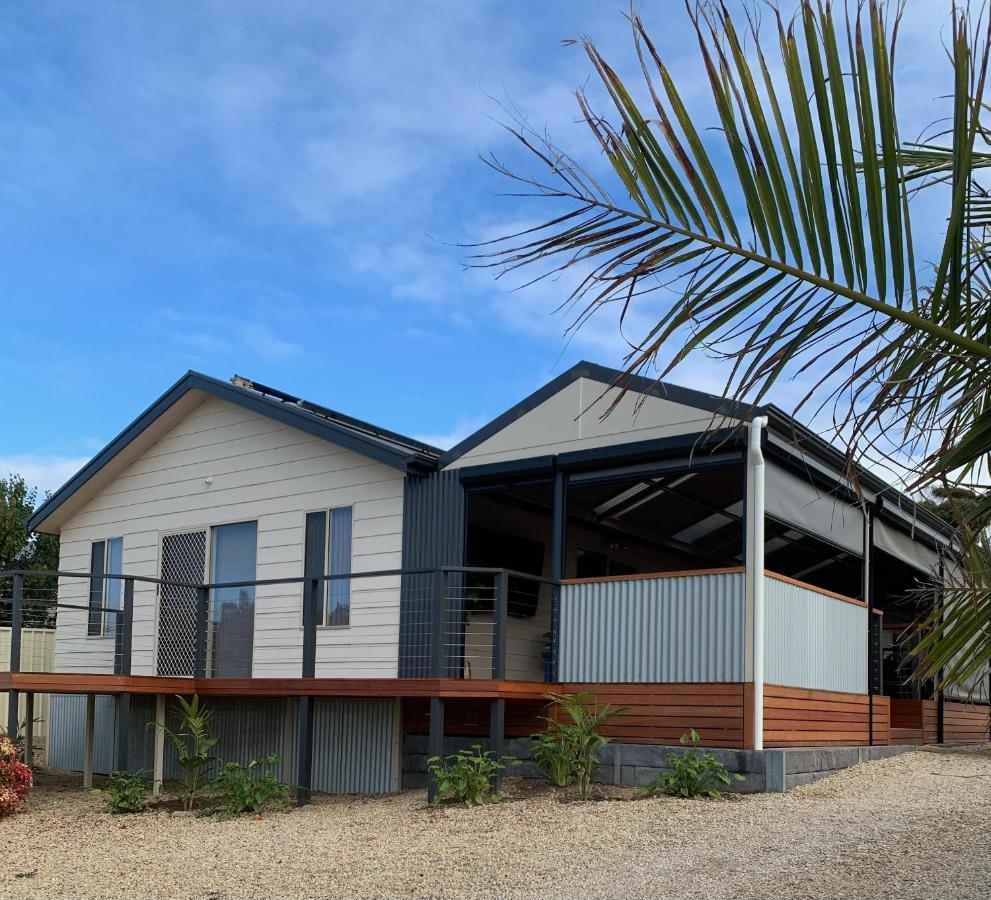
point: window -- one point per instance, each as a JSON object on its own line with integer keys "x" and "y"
{"x": 328, "y": 552}
{"x": 106, "y": 558}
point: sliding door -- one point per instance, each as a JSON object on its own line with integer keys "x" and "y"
{"x": 232, "y": 609}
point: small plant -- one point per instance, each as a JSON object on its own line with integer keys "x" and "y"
{"x": 555, "y": 753}
{"x": 693, "y": 773}
{"x": 193, "y": 744}
{"x": 249, "y": 790}
{"x": 580, "y": 736}
{"x": 126, "y": 792}
{"x": 20, "y": 738}
{"x": 15, "y": 777}
{"x": 467, "y": 776}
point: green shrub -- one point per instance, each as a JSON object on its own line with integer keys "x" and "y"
{"x": 578, "y": 736}
{"x": 467, "y": 776}
{"x": 127, "y": 792}
{"x": 253, "y": 789}
{"x": 193, "y": 744}
{"x": 555, "y": 753}
{"x": 693, "y": 773}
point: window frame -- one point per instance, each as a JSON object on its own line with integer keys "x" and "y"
{"x": 106, "y": 619}
{"x": 326, "y": 566}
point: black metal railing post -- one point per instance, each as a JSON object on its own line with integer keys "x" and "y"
{"x": 16, "y": 619}
{"x": 125, "y": 630}
{"x": 497, "y": 736}
{"x": 500, "y": 613}
{"x": 437, "y": 654}
{"x": 304, "y": 749}
{"x": 311, "y": 598}
{"x": 559, "y": 550}
{"x": 305, "y": 705}
{"x": 435, "y": 742}
{"x": 202, "y": 621}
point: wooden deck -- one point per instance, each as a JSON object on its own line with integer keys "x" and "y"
{"x": 478, "y": 689}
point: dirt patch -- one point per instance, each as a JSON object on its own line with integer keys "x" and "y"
{"x": 912, "y": 826}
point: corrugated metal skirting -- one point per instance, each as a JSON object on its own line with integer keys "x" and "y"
{"x": 686, "y": 629}
{"x": 355, "y": 741}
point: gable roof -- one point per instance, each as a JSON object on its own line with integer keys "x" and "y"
{"x": 794, "y": 440}
{"x": 710, "y": 403}
{"x": 387, "y": 447}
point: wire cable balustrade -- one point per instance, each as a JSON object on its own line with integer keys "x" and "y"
{"x": 454, "y": 622}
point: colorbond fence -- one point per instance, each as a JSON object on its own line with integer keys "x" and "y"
{"x": 37, "y": 655}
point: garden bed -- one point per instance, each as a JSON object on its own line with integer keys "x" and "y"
{"x": 916, "y": 825}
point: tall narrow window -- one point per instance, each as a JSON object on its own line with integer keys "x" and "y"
{"x": 106, "y": 558}
{"x": 339, "y": 558}
{"x": 328, "y": 552}
{"x": 113, "y": 590}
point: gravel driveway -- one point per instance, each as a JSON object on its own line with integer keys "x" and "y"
{"x": 913, "y": 826}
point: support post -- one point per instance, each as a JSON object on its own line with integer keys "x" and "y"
{"x": 559, "y": 551}
{"x": 158, "y": 759}
{"x": 127, "y": 627}
{"x": 88, "y": 740}
{"x": 123, "y": 730}
{"x": 755, "y": 571}
{"x": 29, "y": 729}
{"x": 436, "y": 741}
{"x": 500, "y": 612}
{"x": 497, "y": 736}
{"x": 304, "y": 749}
{"x": 311, "y": 603}
{"x": 16, "y": 620}
{"x": 202, "y": 622}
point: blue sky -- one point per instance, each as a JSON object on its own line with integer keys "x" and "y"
{"x": 274, "y": 190}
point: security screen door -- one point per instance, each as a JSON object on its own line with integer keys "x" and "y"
{"x": 183, "y": 560}
{"x": 228, "y": 552}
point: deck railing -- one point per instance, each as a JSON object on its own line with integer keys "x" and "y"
{"x": 454, "y": 622}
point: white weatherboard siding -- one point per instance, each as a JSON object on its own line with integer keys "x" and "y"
{"x": 262, "y": 471}
{"x": 571, "y": 420}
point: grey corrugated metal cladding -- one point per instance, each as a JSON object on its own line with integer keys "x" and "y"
{"x": 433, "y": 535}
{"x": 355, "y": 741}
{"x": 687, "y": 629}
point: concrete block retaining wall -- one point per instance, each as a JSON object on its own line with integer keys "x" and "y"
{"x": 637, "y": 764}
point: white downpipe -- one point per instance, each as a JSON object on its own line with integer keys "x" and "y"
{"x": 755, "y": 569}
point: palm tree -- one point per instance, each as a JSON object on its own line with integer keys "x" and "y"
{"x": 781, "y": 240}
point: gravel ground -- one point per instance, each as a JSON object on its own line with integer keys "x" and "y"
{"x": 913, "y": 826}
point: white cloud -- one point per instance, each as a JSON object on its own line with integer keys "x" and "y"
{"x": 214, "y": 334}
{"x": 260, "y": 339}
{"x": 461, "y": 430}
{"x": 46, "y": 473}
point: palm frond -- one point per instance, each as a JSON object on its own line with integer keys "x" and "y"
{"x": 775, "y": 229}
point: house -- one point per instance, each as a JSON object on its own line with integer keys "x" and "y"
{"x": 351, "y": 598}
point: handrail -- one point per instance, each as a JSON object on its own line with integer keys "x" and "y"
{"x": 268, "y": 582}
{"x": 787, "y": 579}
{"x": 729, "y": 570}
{"x": 641, "y": 576}
{"x": 124, "y": 614}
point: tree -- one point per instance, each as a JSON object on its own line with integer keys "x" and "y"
{"x": 20, "y": 549}
{"x": 780, "y": 240}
